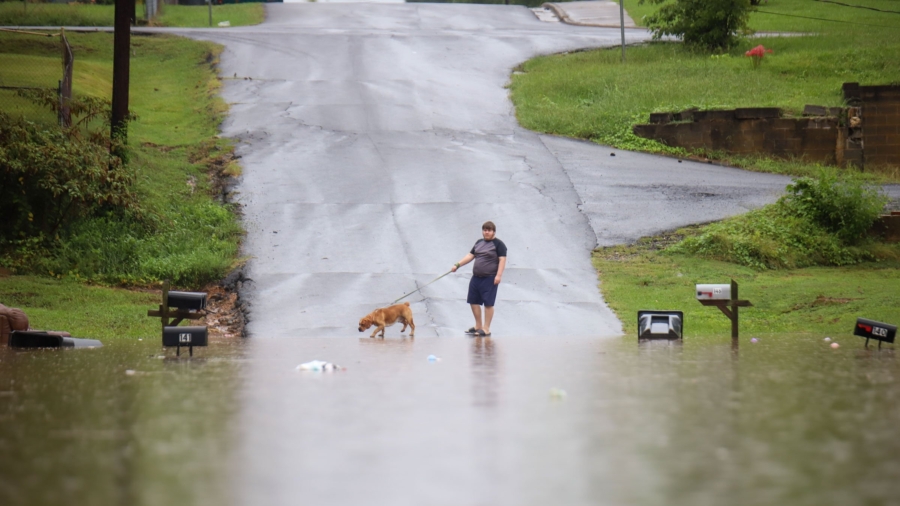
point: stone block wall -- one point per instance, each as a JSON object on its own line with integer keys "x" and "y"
{"x": 866, "y": 133}
{"x": 880, "y": 121}
{"x": 887, "y": 228}
{"x": 748, "y": 131}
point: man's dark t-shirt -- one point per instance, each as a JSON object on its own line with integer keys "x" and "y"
{"x": 487, "y": 257}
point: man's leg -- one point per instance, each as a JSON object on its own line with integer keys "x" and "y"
{"x": 488, "y": 316}
{"x": 476, "y": 311}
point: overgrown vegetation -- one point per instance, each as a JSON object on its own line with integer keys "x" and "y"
{"x": 152, "y": 219}
{"x": 821, "y": 221}
{"x": 53, "y": 177}
{"x": 592, "y": 95}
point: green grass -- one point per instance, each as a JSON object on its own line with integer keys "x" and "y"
{"x": 591, "y": 95}
{"x": 817, "y": 300}
{"x": 198, "y": 16}
{"x": 46, "y": 14}
{"x": 82, "y": 310}
{"x": 183, "y": 234}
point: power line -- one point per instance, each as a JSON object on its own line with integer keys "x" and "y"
{"x": 856, "y": 6}
{"x": 822, "y": 19}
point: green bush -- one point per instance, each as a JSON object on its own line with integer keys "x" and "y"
{"x": 846, "y": 207}
{"x": 50, "y": 178}
{"x": 821, "y": 221}
{"x": 704, "y": 24}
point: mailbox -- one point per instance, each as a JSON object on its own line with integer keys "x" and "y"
{"x": 871, "y": 329}
{"x": 184, "y": 336}
{"x": 187, "y": 300}
{"x": 714, "y": 292}
{"x": 660, "y": 324}
{"x": 38, "y": 339}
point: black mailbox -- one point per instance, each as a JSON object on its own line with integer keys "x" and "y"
{"x": 184, "y": 336}
{"x": 36, "y": 339}
{"x": 871, "y": 329}
{"x": 187, "y": 300}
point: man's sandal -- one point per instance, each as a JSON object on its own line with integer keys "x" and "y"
{"x": 472, "y": 331}
{"x": 481, "y": 333}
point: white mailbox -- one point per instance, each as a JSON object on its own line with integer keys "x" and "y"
{"x": 714, "y": 292}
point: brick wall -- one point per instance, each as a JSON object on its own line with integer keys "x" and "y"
{"x": 864, "y": 134}
{"x": 880, "y": 122}
{"x": 748, "y": 131}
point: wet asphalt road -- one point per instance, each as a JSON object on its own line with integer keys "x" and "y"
{"x": 376, "y": 139}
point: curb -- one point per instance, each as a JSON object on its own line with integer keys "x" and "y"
{"x": 564, "y": 17}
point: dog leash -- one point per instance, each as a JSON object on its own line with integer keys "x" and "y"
{"x": 421, "y": 287}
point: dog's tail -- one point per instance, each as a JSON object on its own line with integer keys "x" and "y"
{"x": 407, "y": 303}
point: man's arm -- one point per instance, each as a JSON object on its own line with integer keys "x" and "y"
{"x": 466, "y": 259}
{"x": 500, "y": 268}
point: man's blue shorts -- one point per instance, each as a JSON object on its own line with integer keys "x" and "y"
{"x": 482, "y": 291}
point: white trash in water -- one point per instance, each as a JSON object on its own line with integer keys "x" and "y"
{"x": 318, "y": 366}
{"x": 558, "y": 393}
{"x": 827, "y": 339}
{"x": 432, "y": 358}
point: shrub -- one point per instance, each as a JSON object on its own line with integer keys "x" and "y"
{"x": 50, "y": 178}
{"x": 845, "y": 207}
{"x": 710, "y": 25}
{"x": 821, "y": 221}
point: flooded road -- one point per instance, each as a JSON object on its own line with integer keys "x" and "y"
{"x": 787, "y": 420}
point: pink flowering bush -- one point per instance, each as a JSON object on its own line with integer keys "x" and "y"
{"x": 756, "y": 54}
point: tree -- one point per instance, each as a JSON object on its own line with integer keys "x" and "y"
{"x": 710, "y": 25}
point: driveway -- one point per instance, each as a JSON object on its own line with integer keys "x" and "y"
{"x": 377, "y": 138}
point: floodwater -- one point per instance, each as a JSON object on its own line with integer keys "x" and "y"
{"x": 787, "y": 420}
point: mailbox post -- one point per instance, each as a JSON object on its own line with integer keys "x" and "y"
{"x": 187, "y": 305}
{"x": 724, "y": 297}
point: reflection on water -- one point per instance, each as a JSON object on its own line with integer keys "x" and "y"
{"x": 485, "y": 380}
{"x": 787, "y": 420}
{"x": 76, "y": 428}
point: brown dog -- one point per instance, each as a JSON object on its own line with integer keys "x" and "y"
{"x": 387, "y": 316}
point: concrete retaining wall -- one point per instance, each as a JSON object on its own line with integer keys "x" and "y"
{"x": 867, "y": 132}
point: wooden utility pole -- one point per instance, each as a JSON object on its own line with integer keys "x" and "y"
{"x": 622, "y": 23}
{"x": 65, "y": 85}
{"x": 121, "y": 69}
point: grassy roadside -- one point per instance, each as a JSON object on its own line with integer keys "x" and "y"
{"x": 185, "y": 233}
{"x": 82, "y": 310}
{"x": 591, "y": 95}
{"x": 46, "y": 14}
{"x": 815, "y": 300}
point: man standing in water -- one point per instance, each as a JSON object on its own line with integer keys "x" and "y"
{"x": 490, "y": 261}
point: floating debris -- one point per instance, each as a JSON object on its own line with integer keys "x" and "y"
{"x": 319, "y": 366}
{"x": 558, "y": 393}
